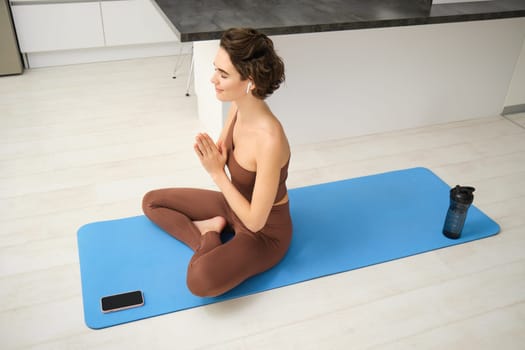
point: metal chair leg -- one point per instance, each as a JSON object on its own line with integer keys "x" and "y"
{"x": 190, "y": 74}
{"x": 178, "y": 63}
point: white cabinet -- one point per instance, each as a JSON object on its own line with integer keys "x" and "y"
{"x": 73, "y": 24}
{"x": 128, "y": 22}
{"x": 58, "y": 26}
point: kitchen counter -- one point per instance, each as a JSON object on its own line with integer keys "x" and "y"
{"x": 358, "y": 67}
{"x": 206, "y": 19}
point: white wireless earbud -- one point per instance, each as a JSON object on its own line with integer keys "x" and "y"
{"x": 249, "y": 87}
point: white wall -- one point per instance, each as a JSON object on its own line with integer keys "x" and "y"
{"x": 516, "y": 93}
{"x": 212, "y": 112}
{"x": 358, "y": 82}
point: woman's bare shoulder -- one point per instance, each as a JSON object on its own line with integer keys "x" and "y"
{"x": 272, "y": 137}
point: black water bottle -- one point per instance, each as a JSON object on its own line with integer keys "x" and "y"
{"x": 461, "y": 198}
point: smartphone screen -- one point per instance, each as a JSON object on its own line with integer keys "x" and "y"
{"x": 122, "y": 301}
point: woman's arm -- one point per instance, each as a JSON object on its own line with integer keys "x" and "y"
{"x": 268, "y": 158}
{"x": 255, "y": 214}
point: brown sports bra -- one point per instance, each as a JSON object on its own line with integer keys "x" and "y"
{"x": 244, "y": 180}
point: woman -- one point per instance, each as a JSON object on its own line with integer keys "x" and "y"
{"x": 253, "y": 200}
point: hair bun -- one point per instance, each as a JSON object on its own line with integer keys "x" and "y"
{"x": 253, "y": 56}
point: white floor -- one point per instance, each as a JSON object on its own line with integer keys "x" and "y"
{"x": 83, "y": 143}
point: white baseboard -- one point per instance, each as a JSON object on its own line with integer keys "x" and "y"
{"x": 67, "y": 57}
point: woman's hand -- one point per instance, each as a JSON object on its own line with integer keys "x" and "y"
{"x": 212, "y": 156}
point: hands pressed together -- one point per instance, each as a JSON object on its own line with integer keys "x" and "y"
{"x": 212, "y": 156}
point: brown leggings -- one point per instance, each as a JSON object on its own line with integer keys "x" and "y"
{"x": 215, "y": 267}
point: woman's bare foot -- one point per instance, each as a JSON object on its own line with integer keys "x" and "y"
{"x": 215, "y": 224}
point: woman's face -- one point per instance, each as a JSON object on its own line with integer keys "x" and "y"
{"x": 226, "y": 79}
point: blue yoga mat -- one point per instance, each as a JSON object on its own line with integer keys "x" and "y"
{"x": 338, "y": 226}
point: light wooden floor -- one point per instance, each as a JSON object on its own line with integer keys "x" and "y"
{"x": 83, "y": 143}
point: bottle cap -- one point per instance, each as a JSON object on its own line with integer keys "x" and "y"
{"x": 462, "y": 194}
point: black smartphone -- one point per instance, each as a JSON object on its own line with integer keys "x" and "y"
{"x": 122, "y": 301}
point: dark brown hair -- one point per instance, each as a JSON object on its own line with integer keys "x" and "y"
{"x": 253, "y": 55}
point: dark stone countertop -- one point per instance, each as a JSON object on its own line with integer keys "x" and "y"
{"x": 196, "y": 20}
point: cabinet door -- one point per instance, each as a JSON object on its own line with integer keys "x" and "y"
{"x": 58, "y": 26}
{"x": 134, "y": 22}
